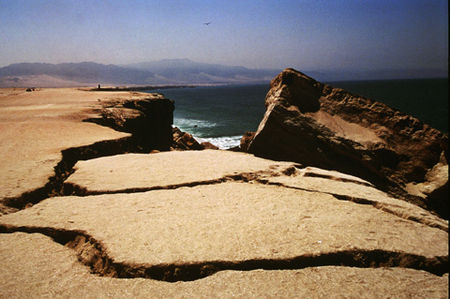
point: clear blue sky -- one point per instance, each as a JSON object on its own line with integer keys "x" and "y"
{"x": 305, "y": 34}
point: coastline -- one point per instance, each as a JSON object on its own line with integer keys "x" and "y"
{"x": 141, "y": 88}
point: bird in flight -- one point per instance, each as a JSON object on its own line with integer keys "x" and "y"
{"x": 207, "y": 23}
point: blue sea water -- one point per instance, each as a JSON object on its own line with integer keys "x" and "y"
{"x": 218, "y": 114}
{"x": 222, "y": 114}
{"x": 426, "y": 99}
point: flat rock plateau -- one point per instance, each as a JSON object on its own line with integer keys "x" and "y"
{"x": 97, "y": 200}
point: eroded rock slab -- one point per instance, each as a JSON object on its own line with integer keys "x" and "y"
{"x": 40, "y": 267}
{"x": 142, "y": 171}
{"x": 229, "y": 222}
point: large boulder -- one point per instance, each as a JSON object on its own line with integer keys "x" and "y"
{"x": 184, "y": 141}
{"x": 317, "y": 125}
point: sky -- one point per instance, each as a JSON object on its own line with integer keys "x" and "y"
{"x": 304, "y": 34}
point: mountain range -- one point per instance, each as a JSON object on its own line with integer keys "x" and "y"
{"x": 168, "y": 71}
{"x": 174, "y": 72}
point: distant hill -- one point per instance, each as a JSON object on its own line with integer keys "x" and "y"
{"x": 188, "y": 71}
{"x": 70, "y": 74}
{"x": 176, "y": 71}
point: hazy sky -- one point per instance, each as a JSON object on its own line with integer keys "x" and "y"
{"x": 305, "y": 34}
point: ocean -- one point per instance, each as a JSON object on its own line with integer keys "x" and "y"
{"x": 222, "y": 114}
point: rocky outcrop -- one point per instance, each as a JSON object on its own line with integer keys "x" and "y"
{"x": 184, "y": 141}
{"x": 245, "y": 141}
{"x": 148, "y": 119}
{"x": 209, "y": 145}
{"x": 315, "y": 124}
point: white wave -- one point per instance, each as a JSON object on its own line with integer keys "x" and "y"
{"x": 192, "y": 123}
{"x": 194, "y": 126}
{"x": 224, "y": 142}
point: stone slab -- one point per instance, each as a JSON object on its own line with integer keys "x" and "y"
{"x": 229, "y": 222}
{"x": 134, "y": 171}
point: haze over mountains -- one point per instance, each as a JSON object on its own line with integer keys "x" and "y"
{"x": 173, "y": 71}
{"x": 169, "y": 71}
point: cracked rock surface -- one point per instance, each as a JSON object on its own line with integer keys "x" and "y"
{"x": 201, "y": 224}
{"x": 188, "y": 168}
{"x": 45, "y": 132}
{"x": 140, "y": 171}
{"x": 229, "y": 222}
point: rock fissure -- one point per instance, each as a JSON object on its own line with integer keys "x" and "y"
{"x": 389, "y": 209}
{"x": 74, "y": 189}
{"x": 54, "y": 185}
{"x": 93, "y": 254}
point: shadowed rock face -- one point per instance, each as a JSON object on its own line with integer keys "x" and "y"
{"x": 315, "y": 124}
{"x": 148, "y": 119}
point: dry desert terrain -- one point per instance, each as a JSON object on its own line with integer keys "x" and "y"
{"x": 84, "y": 215}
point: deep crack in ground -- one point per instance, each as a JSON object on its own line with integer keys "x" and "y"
{"x": 70, "y": 156}
{"x": 93, "y": 254}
